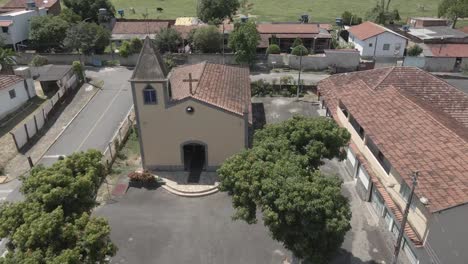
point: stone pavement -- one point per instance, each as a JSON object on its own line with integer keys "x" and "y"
{"x": 19, "y": 164}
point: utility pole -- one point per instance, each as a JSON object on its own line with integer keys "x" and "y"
{"x": 414, "y": 178}
{"x": 299, "y": 77}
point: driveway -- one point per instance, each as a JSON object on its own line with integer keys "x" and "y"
{"x": 97, "y": 123}
{"x": 154, "y": 226}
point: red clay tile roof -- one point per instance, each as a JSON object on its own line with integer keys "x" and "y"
{"x": 7, "y": 81}
{"x": 21, "y": 4}
{"x": 139, "y": 27}
{"x": 419, "y": 122}
{"x": 185, "y": 30}
{"x": 227, "y": 87}
{"x": 449, "y": 50}
{"x": 6, "y": 23}
{"x": 288, "y": 28}
{"x": 464, "y": 29}
{"x": 396, "y": 210}
{"x": 366, "y": 30}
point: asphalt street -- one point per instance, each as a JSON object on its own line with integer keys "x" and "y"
{"x": 94, "y": 126}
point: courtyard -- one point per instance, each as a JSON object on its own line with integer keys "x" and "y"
{"x": 155, "y": 226}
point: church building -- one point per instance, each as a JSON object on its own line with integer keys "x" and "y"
{"x": 192, "y": 118}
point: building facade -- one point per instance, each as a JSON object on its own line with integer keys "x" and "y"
{"x": 373, "y": 40}
{"x": 14, "y": 92}
{"x": 15, "y": 25}
{"x": 410, "y": 121}
{"x": 194, "y": 117}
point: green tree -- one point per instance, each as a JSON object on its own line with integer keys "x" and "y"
{"x": 207, "y": 39}
{"x": 209, "y": 10}
{"x": 71, "y": 17}
{"x": 297, "y": 42}
{"x": 273, "y": 49}
{"x": 414, "y": 50}
{"x": 453, "y": 9}
{"x": 279, "y": 176}
{"x": 243, "y": 40}
{"x": 47, "y": 32}
{"x": 136, "y": 45}
{"x": 350, "y": 18}
{"x": 125, "y": 49}
{"x": 38, "y": 60}
{"x": 300, "y": 51}
{"x": 381, "y": 13}
{"x": 168, "y": 40}
{"x": 89, "y": 9}
{"x": 79, "y": 70}
{"x": 87, "y": 37}
{"x": 7, "y": 59}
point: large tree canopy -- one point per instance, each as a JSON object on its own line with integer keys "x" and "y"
{"x": 87, "y": 37}
{"x": 52, "y": 224}
{"x": 211, "y": 10}
{"x": 48, "y": 31}
{"x": 207, "y": 39}
{"x": 301, "y": 207}
{"x": 243, "y": 40}
{"x": 167, "y": 40}
{"x": 453, "y": 9}
{"x": 89, "y": 9}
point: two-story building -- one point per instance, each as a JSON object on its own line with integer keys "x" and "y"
{"x": 15, "y": 25}
{"x": 404, "y": 120}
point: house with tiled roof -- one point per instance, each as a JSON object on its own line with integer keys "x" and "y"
{"x": 52, "y": 7}
{"x": 193, "y": 117}
{"x": 404, "y": 121}
{"x": 127, "y": 29}
{"x": 373, "y": 40}
{"x": 15, "y": 91}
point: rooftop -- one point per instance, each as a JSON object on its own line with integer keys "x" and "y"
{"x": 448, "y": 50}
{"x": 139, "y": 27}
{"x": 436, "y": 33}
{"x": 418, "y": 121}
{"x": 150, "y": 65}
{"x": 21, "y": 4}
{"x": 366, "y": 30}
{"x": 273, "y": 28}
{"x": 224, "y": 86}
{"x": 51, "y": 72}
{"x": 7, "y": 81}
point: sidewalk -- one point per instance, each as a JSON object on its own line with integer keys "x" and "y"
{"x": 19, "y": 164}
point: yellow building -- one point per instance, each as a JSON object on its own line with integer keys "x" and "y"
{"x": 193, "y": 117}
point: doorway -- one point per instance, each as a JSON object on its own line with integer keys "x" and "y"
{"x": 194, "y": 160}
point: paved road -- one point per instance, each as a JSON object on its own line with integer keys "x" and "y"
{"x": 94, "y": 126}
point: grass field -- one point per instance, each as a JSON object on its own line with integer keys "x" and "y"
{"x": 279, "y": 10}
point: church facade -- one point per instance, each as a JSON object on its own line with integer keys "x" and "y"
{"x": 193, "y": 117}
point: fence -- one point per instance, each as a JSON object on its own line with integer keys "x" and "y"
{"x": 25, "y": 132}
{"x": 110, "y": 153}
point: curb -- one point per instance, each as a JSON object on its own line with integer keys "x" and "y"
{"x": 58, "y": 136}
{"x": 190, "y": 195}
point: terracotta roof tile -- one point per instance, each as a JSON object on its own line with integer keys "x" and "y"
{"x": 269, "y": 28}
{"x": 139, "y": 27}
{"x": 7, "y": 81}
{"x": 449, "y": 50}
{"x": 414, "y": 119}
{"x": 6, "y": 23}
{"x": 366, "y": 30}
{"x": 227, "y": 87}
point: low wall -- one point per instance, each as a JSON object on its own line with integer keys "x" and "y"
{"x": 419, "y": 62}
{"x": 348, "y": 60}
{"x": 25, "y": 132}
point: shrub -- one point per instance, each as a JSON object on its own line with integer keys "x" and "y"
{"x": 170, "y": 63}
{"x": 414, "y": 50}
{"x": 350, "y": 18}
{"x": 207, "y": 39}
{"x": 297, "y": 42}
{"x": 38, "y": 61}
{"x": 135, "y": 45}
{"x": 261, "y": 88}
{"x": 273, "y": 49}
{"x": 297, "y": 51}
{"x": 125, "y": 49}
{"x": 78, "y": 69}
{"x": 144, "y": 177}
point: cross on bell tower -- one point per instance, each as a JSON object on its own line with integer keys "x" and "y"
{"x": 190, "y": 81}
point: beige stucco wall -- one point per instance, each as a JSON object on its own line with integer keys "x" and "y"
{"x": 391, "y": 181}
{"x": 165, "y": 129}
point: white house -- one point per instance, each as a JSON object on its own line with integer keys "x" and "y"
{"x": 15, "y": 25}
{"x": 373, "y": 40}
{"x": 14, "y": 92}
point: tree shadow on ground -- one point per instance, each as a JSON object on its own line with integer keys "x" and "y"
{"x": 258, "y": 116}
{"x": 345, "y": 257}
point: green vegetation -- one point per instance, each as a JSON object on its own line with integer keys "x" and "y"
{"x": 168, "y": 39}
{"x": 87, "y": 38}
{"x": 216, "y": 10}
{"x": 280, "y": 176}
{"x": 243, "y": 41}
{"x": 53, "y": 223}
{"x": 454, "y": 9}
{"x": 38, "y": 60}
{"x": 415, "y": 50}
{"x": 273, "y": 49}
{"x": 48, "y": 32}
{"x": 207, "y": 39}
{"x": 350, "y": 18}
{"x": 300, "y": 51}
{"x": 279, "y": 10}
{"x": 287, "y": 87}
{"x": 89, "y": 9}
{"x": 78, "y": 69}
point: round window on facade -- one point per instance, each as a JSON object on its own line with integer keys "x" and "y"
{"x": 189, "y": 109}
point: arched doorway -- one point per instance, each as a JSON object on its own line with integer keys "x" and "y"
{"x": 194, "y": 157}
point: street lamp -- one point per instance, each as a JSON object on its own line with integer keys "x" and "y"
{"x": 299, "y": 77}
